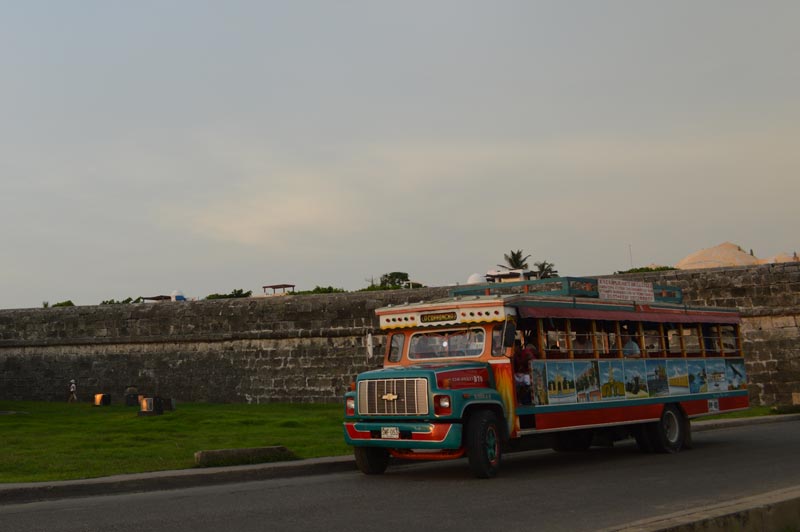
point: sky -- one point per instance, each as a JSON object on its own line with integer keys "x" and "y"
{"x": 206, "y": 146}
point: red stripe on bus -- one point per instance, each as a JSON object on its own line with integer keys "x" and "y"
{"x": 577, "y": 418}
{"x": 733, "y": 403}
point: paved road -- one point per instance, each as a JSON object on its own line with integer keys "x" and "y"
{"x": 541, "y": 490}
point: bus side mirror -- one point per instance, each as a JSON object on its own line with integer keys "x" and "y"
{"x": 509, "y": 334}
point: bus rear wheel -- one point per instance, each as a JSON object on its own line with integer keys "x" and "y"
{"x": 371, "y": 460}
{"x": 670, "y": 433}
{"x": 482, "y": 440}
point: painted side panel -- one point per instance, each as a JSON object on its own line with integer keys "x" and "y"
{"x": 504, "y": 381}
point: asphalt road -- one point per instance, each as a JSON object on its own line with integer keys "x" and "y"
{"x": 541, "y": 490}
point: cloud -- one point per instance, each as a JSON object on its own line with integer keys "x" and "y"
{"x": 266, "y": 213}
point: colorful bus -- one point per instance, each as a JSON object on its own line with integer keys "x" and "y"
{"x": 561, "y": 363}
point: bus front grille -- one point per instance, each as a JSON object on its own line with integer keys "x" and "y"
{"x": 396, "y": 397}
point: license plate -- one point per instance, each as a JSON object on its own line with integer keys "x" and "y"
{"x": 390, "y": 433}
{"x": 713, "y": 405}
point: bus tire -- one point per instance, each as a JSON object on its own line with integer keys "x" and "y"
{"x": 669, "y": 433}
{"x": 482, "y": 440}
{"x": 371, "y": 460}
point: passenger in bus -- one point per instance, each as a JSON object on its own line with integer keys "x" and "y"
{"x": 581, "y": 345}
{"x": 529, "y": 353}
{"x": 522, "y": 372}
{"x": 522, "y": 380}
{"x": 630, "y": 347}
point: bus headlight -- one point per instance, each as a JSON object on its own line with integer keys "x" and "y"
{"x": 441, "y": 405}
{"x": 350, "y": 406}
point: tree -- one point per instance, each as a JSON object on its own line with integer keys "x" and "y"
{"x": 391, "y": 281}
{"x": 394, "y": 280}
{"x": 515, "y": 260}
{"x": 545, "y": 269}
{"x": 67, "y": 303}
{"x": 322, "y": 290}
{"x": 125, "y": 301}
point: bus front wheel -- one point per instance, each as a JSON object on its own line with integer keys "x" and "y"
{"x": 371, "y": 460}
{"x": 483, "y": 444}
{"x": 670, "y": 432}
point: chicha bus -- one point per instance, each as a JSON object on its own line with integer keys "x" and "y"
{"x": 561, "y": 363}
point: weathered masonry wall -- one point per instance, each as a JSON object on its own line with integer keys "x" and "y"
{"x": 293, "y": 348}
{"x": 309, "y": 348}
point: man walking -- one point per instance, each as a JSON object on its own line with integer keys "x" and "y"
{"x": 73, "y": 392}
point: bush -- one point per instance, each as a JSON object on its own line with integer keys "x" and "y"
{"x": 238, "y": 292}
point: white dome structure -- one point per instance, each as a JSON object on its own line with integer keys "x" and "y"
{"x": 476, "y": 278}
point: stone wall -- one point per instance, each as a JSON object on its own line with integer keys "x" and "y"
{"x": 309, "y": 348}
{"x": 288, "y": 348}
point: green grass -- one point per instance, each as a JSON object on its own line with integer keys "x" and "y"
{"x": 60, "y": 441}
{"x": 753, "y": 411}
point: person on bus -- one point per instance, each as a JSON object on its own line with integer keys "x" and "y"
{"x": 580, "y": 345}
{"x": 630, "y": 348}
{"x": 522, "y": 373}
{"x": 529, "y": 353}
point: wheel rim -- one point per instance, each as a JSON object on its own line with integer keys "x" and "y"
{"x": 492, "y": 450}
{"x": 671, "y": 426}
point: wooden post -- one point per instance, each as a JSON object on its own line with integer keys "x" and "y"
{"x": 569, "y": 338}
{"x": 541, "y": 339}
{"x": 702, "y": 340}
{"x": 642, "y": 346}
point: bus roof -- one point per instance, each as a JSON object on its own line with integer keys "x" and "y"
{"x": 575, "y": 298}
{"x": 585, "y": 287}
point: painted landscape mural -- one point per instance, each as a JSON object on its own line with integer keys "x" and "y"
{"x": 587, "y": 381}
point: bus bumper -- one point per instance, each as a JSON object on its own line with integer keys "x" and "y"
{"x": 403, "y": 435}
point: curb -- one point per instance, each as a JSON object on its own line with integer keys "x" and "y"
{"x": 774, "y": 510}
{"x": 169, "y": 480}
{"x": 186, "y": 478}
{"x": 715, "y": 424}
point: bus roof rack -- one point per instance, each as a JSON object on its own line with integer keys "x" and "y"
{"x": 599, "y": 288}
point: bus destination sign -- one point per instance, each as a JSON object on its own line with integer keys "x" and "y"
{"x": 625, "y": 290}
{"x": 436, "y": 317}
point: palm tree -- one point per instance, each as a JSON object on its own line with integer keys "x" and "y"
{"x": 545, "y": 269}
{"x": 515, "y": 260}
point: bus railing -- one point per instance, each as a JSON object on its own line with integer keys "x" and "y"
{"x": 559, "y": 286}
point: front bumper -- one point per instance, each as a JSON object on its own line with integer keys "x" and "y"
{"x": 412, "y": 435}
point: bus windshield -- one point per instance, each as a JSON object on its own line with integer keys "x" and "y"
{"x": 462, "y": 343}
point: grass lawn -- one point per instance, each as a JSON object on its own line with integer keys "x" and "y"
{"x": 753, "y": 411}
{"x": 60, "y": 441}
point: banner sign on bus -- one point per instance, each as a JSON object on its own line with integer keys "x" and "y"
{"x": 625, "y": 290}
{"x": 437, "y": 317}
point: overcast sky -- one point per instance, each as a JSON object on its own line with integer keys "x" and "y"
{"x": 206, "y": 146}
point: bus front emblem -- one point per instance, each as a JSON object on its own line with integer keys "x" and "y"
{"x": 389, "y": 397}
